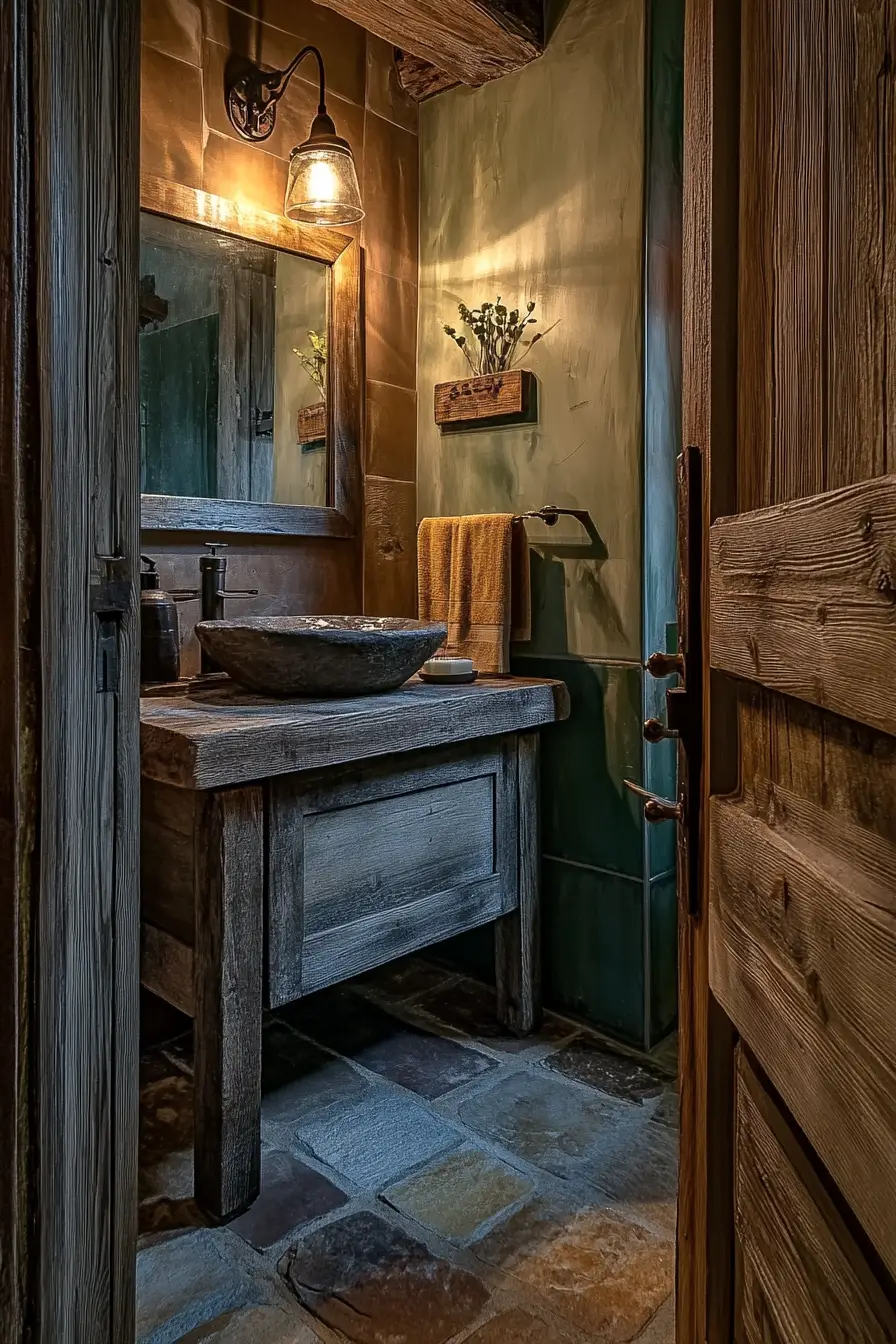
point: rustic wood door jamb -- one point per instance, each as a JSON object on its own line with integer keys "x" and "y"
{"x": 705, "y": 1252}
{"x": 69, "y": 719}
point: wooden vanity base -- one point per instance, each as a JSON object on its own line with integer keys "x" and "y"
{"x": 257, "y": 894}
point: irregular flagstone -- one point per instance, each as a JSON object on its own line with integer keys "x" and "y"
{"x": 661, "y": 1329}
{"x": 587, "y": 1061}
{"x": 404, "y": 979}
{"x": 516, "y": 1327}
{"x": 426, "y": 1064}
{"x": 298, "y": 1079}
{"x": 604, "y": 1275}
{"x": 666, "y": 1112}
{"x": 376, "y": 1285}
{"x": 155, "y": 1067}
{"x": 375, "y": 1141}
{"x": 170, "y": 1215}
{"x": 471, "y": 1007}
{"x": 549, "y": 1122}
{"x": 459, "y": 1193}
{"x": 253, "y": 1325}
{"x": 184, "y": 1281}
{"x": 641, "y": 1173}
{"x": 166, "y": 1139}
{"x": 292, "y": 1195}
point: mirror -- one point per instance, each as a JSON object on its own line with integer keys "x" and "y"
{"x": 250, "y": 403}
{"x": 233, "y": 368}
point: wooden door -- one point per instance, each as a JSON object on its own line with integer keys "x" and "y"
{"x": 787, "y": 1224}
{"x": 69, "y": 763}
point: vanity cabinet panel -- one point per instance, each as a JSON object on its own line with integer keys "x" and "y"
{"x": 167, "y": 845}
{"x": 366, "y": 865}
{"x": 291, "y": 845}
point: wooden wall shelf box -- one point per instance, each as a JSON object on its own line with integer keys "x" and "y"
{"x": 488, "y": 401}
{"x": 311, "y": 424}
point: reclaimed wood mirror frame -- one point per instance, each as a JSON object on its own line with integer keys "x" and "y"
{"x": 341, "y": 516}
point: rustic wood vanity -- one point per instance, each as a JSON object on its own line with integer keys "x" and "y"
{"x": 287, "y": 846}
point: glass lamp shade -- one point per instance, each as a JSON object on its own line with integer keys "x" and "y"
{"x": 323, "y": 183}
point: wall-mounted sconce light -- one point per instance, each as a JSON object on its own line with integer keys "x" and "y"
{"x": 322, "y": 187}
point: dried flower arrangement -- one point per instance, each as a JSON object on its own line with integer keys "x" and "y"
{"x": 315, "y": 362}
{"x": 499, "y": 333}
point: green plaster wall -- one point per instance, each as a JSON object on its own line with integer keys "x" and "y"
{"x": 532, "y": 187}
{"x": 535, "y": 187}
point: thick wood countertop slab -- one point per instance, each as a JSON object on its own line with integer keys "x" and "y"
{"x": 215, "y": 737}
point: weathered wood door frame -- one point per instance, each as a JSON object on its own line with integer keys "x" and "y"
{"x": 705, "y": 1272}
{"x": 69, "y": 715}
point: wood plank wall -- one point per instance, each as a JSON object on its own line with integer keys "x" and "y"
{"x": 186, "y": 138}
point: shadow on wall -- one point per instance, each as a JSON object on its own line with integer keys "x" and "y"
{"x": 549, "y": 580}
{"x": 553, "y": 13}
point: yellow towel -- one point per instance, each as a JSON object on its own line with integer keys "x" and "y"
{"x": 473, "y": 574}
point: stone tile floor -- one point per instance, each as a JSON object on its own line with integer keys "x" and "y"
{"x": 426, "y": 1179}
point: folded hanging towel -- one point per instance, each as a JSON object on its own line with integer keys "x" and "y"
{"x": 473, "y": 574}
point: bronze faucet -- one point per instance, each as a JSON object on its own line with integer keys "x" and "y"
{"x": 212, "y": 591}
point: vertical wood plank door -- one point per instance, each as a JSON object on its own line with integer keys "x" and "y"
{"x": 788, "y": 1214}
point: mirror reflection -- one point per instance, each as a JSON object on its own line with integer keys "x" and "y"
{"x": 234, "y": 372}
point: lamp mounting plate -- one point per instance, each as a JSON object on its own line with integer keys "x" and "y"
{"x": 251, "y": 94}
{"x": 251, "y": 99}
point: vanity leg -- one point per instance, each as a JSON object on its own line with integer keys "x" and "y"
{"x": 518, "y": 935}
{"x": 227, "y": 995}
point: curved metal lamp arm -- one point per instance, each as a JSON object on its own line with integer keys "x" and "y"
{"x": 251, "y": 97}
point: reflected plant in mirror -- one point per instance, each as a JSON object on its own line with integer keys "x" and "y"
{"x": 311, "y": 421}
{"x": 226, "y": 410}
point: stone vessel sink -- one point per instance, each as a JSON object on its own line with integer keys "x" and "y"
{"x": 320, "y": 655}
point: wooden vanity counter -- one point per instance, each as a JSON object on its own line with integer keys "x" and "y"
{"x": 219, "y": 737}
{"x": 287, "y": 846}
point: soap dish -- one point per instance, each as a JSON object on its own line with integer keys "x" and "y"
{"x": 446, "y": 670}
{"x": 448, "y": 678}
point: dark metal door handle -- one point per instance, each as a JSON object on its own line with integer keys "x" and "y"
{"x": 655, "y": 809}
{"x": 656, "y": 731}
{"x": 662, "y": 665}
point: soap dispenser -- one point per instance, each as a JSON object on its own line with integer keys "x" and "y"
{"x": 159, "y": 632}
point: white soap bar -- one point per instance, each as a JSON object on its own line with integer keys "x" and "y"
{"x": 449, "y": 667}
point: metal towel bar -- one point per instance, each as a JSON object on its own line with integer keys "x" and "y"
{"x": 550, "y": 513}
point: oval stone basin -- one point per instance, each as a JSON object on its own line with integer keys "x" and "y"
{"x": 320, "y": 655}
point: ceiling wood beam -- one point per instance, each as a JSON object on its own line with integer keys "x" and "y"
{"x": 421, "y": 79}
{"x": 472, "y": 41}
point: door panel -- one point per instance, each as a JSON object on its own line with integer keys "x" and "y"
{"x": 816, "y": 246}
{"x": 789, "y": 392}
{"x": 803, "y": 959}
{"x": 811, "y": 1285}
{"x": 803, "y": 599}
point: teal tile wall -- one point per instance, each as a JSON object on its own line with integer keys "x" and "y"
{"x": 660, "y": 774}
{"x": 663, "y": 948}
{"x": 662, "y": 445}
{"x": 587, "y": 814}
{"x": 593, "y": 946}
{"x": 593, "y": 842}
